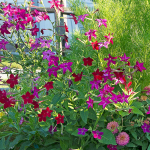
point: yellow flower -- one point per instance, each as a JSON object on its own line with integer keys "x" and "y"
{"x": 1, "y": 114}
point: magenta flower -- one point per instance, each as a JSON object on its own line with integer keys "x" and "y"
{"x": 53, "y": 71}
{"x": 56, "y": 4}
{"x": 112, "y": 147}
{"x": 148, "y": 110}
{"x": 67, "y": 46}
{"x": 139, "y": 66}
{"x": 35, "y": 79}
{"x": 35, "y": 92}
{"x": 48, "y": 54}
{"x": 90, "y": 103}
{"x": 4, "y": 27}
{"x": 107, "y": 89}
{"x": 21, "y": 121}
{"x": 105, "y": 101}
{"x": 82, "y": 131}
{"x": 90, "y": 34}
{"x": 35, "y": 46}
{"x": 125, "y": 98}
{"x": 115, "y": 98}
{"x": 7, "y": 10}
{"x": 45, "y": 43}
{"x": 97, "y": 134}
{"x": 122, "y": 139}
{"x": 102, "y": 21}
{"x": 95, "y": 84}
{"x": 66, "y": 66}
{"x": 110, "y": 60}
{"x": 52, "y": 129}
{"x": 112, "y": 126}
{"x": 82, "y": 17}
{"x": 53, "y": 60}
{"x": 146, "y": 128}
{"x": 124, "y": 58}
{"x": 3, "y": 44}
{"x": 20, "y": 24}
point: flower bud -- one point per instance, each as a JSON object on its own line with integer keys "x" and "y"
{"x": 70, "y": 82}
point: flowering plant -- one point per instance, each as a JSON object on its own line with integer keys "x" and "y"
{"x": 73, "y": 105}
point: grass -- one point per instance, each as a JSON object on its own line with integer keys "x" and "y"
{"x": 130, "y": 23}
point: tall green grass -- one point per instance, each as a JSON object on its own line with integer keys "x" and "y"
{"x": 129, "y": 20}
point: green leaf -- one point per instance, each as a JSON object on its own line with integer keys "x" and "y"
{"x": 144, "y": 146}
{"x": 70, "y": 129}
{"x": 123, "y": 113}
{"x": 134, "y": 134}
{"x": 49, "y": 141}
{"x": 2, "y": 144}
{"x": 148, "y": 147}
{"x": 137, "y": 104}
{"x": 84, "y": 115}
{"x": 56, "y": 98}
{"x": 131, "y": 145}
{"x": 92, "y": 114}
{"x": 16, "y": 140}
{"x": 64, "y": 144}
{"x": 107, "y": 137}
{"x": 136, "y": 110}
{"x": 25, "y": 145}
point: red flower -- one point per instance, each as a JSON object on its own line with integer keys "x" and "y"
{"x": 27, "y": 98}
{"x": 60, "y": 119}
{"x": 66, "y": 38}
{"x": 49, "y": 85}
{"x": 44, "y": 114}
{"x": 74, "y": 18}
{"x": 13, "y": 80}
{"x": 97, "y": 75}
{"x": 9, "y": 102}
{"x": 77, "y": 77}
{"x": 95, "y": 45}
{"x": 66, "y": 28}
{"x": 88, "y": 61}
{"x": 36, "y": 104}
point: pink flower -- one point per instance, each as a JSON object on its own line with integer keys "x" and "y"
{"x": 56, "y": 4}
{"x": 102, "y": 21}
{"x": 112, "y": 126}
{"x": 122, "y": 139}
{"x": 109, "y": 38}
{"x": 112, "y": 147}
{"x": 90, "y": 34}
{"x": 82, "y": 17}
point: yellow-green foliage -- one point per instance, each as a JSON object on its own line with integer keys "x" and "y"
{"x": 129, "y": 21}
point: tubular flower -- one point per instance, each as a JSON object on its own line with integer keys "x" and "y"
{"x": 13, "y": 80}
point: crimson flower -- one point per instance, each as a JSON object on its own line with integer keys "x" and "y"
{"x": 44, "y": 114}
{"x": 66, "y": 28}
{"x": 9, "y": 102}
{"x": 88, "y": 61}
{"x": 77, "y": 77}
{"x": 74, "y": 18}
{"x": 95, "y": 45}
{"x": 13, "y": 80}
{"x": 97, "y": 75}
{"x": 49, "y": 85}
{"x": 34, "y": 30}
{"x": 60, "y": 119}
{"x": 36, "y": 104}
{"x": 27, "y": 98}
